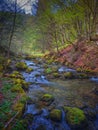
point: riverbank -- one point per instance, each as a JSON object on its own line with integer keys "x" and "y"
{"x": 83, "y": 56}
{"x": 53, "y": 90}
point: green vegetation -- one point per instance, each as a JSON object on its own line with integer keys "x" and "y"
{"x": 21, "y": 65}
{"x": 75, "y": 116}
{"x": 56, "y": 115}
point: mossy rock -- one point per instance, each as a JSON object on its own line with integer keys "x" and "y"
{"x": 79, "y": 69}
{"x": 75, "y": 117}
{"x": 21, "y": 66}
{"x": 41, "y": 127}
{"x": 16, "y": 74}
{"x": 19, "y": 107}
{"x": 28, "y": 118}
{"x": 54, "y": 69}
{"x": 23, "y": 83}
{"x": 68, "y": 75}
{"x": 48, "y": 98}
{"x": 1, "y": 68}
{"x": 24, "y": 99}
{"x": 17, "y": 88}
{"x": 28, "y": 70}
{"x": 56, "y": 75}
{"x": 55, "y": 115}
{"x": 49, "y": 61}
{"x": 83, "y": 75}
{"x": 48, "y": 71}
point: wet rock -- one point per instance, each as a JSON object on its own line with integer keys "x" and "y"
{"x": 56, "y": 75}
{"x": 16, "y": 74}
{"x": 75, "y": 118}
{"x": 21, "y": 65}
{"x": 47, "y": 99}
{"x": 55, "y": 115}
{"x": 82, "y": 76}
{"x": 28, "y": 70}
{"x": 33, "y": 109}
{"x": 68, "y": 75}
{"x": 90, "y": 113}
{"x": 41, "y": 127}
{"x": 28, "y": 118}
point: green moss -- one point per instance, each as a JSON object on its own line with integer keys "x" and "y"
{"x": 56, "y": 75}
{"x": 56, "y": 115}
{"x": 74, "y": 116}
{"x": 83, "y": 75}
{"x": 21, "y": 65}
{"x": 79, "y": 69}
{"x": 68, "y": 75}
{"x": 28, "y": 70}
{"x": 24, "y": 99}
{"x": 16, "y": 74}
{"x": 19, "y": 106}
{"x": 1, "y": 68}
{"x": 47, "y": 97}
{"x": 48, "y": 70}
{"x": 17, "y": 88}
{"x": 49, "y": 61}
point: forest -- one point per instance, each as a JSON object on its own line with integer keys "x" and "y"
{"x": 49, "y": 65}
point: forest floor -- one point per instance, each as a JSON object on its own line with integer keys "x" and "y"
{"x": 84, "y": 57}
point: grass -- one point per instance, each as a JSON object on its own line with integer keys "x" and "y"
{"x": 6, "y": 111}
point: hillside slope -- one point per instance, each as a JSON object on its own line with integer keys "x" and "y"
{"x": 84, "y": 58}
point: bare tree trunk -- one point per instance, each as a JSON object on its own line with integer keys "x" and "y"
{"x": 12, "y": 31}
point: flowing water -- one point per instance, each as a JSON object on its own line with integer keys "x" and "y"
{"x": 70, "y": 92}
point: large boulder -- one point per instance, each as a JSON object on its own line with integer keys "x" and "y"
{"x": 75, "y": 118}
{"x": 21, "y": 65}
{"x": 55, "y": 115}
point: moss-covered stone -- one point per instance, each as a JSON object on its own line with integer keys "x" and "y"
{"x": 21, "y": 65}
{"x": 55, "y": 115}
{"x": 79, "y": 69}
{"x": 22, "y": 82}
{"x": 48, "y": 71}
{"x": 75, "y": 117}
{"x": 16, "y": 74}
{"x": 17, "y": 88}
{"x": 83, "y": 75}
{"x": 19, "y": 107}
{"x": 49, "y": 61}
{"x": 28, "y": 118}
{"x": 28, "y": 70}
{"x": 56, "y": 75}
{"x": 68, "y": 75}
{"x": 47, "y": 98}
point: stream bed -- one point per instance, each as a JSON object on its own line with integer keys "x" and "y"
{"x": 69, "y": 92}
